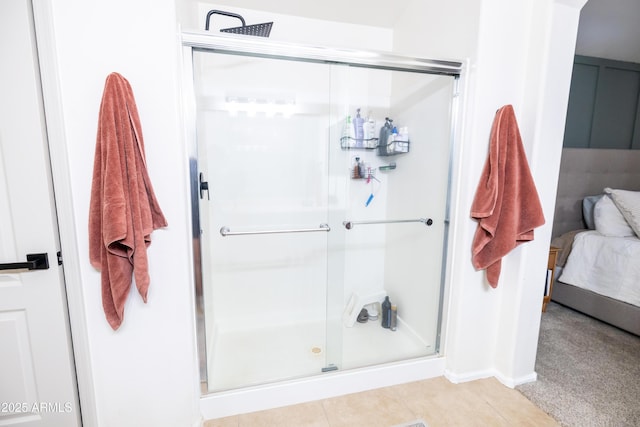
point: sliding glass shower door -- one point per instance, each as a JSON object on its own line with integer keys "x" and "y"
{"x": 262, "y": 149}
{"x": 322, "y": 192}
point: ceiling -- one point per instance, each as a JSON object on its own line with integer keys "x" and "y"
{"x": 610, "y": 29}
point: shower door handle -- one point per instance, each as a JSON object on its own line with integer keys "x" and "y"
{"x": 350, "y": 224}
{"x": 33, "y": 262}
{"x": 204, "y": 186}
{"x": 226, "y": 231}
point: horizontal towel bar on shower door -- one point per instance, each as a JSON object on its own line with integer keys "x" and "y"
{"x": 226, "y": 231}
{"x": 350, "y": 224}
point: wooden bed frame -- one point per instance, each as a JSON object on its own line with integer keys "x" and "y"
{"x": 586, "y": 172}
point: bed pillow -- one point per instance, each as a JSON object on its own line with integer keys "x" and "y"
{"x": 588, "y": 204}
{"x": 628, "y": 203}
{"x": 608, "y": 219}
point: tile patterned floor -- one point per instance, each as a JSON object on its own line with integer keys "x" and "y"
{"x": 437, "y": 401}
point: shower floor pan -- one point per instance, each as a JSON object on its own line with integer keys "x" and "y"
{"x": 249, "y": 357}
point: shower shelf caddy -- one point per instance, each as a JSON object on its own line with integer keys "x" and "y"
{"x": 390, "y": 149}
{"x": 349, "y": 143}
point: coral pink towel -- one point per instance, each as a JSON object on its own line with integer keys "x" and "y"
{"x": 506, "y": 203}
{"x": 123, "y": 209}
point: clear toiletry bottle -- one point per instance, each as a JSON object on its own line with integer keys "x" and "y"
{"x": 372, "y": 309}
{"x": 391, "y": 146}
{"x": 403, "y": 133}
{"x": 370, "y": 132}
{"x": 365, "y": 170}
{"x": 358, "y": 124}
{"x": 347, "y": 134}
{"x": 403, "y": 136}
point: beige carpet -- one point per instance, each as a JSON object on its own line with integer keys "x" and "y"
{"x": 588, "y": 371}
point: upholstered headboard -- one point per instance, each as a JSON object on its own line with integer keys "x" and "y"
{"x": 586, "y": 172}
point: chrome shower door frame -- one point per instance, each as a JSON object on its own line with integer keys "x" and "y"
{"x": 245, "y": 46}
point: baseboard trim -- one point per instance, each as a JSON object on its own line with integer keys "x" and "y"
{"x": 468, "y": 376}
{"x": 513, "y": 382}
{"x": 478, "y": 375}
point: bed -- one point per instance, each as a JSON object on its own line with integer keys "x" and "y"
{"x": 596, "y": 225}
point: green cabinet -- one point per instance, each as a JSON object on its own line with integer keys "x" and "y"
{"x": 603, "y": 109}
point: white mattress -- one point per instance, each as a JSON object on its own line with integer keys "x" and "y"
{"x": 609, "y": 266}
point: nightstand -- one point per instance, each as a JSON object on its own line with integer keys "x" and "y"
{"x": 551, "y": 272}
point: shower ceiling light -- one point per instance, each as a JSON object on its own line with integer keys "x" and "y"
{"x": 252, "y": 107}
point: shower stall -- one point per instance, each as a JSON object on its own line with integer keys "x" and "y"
{"x": 320, "y": 187}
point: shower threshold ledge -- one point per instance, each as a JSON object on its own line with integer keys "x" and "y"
{"x": 337, "y": 383}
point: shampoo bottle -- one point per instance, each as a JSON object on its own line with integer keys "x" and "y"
{"x": 386, "y": 312}
{"x": 385, "y": 133}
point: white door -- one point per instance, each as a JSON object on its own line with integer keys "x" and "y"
{"x": 37, "y": 377}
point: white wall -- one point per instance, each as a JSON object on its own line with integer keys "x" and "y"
{"x": 438, "y": 29}
{"x": 518, "y": 53}
{"x": 146, "y": 373}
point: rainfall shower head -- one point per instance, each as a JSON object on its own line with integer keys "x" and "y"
{"x": 260, "y": 30}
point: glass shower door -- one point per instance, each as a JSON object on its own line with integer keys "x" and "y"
{"x": 262, "y": 148}
{"x": 307, "y": 222}
{"x": 391, "y": 235}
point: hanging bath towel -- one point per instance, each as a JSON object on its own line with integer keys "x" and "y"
{"x": 506, "y": 203}
{"x": 123, "y": 208}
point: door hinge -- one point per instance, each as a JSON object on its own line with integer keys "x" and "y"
{"x": 59, "y": 255}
